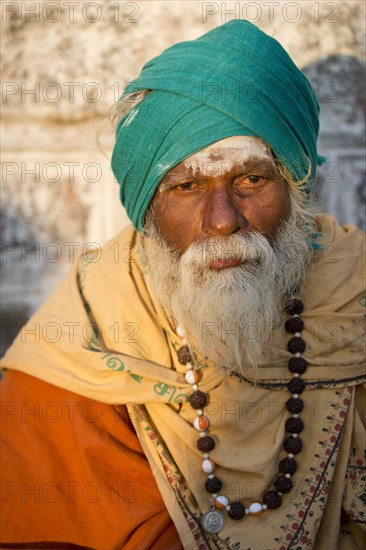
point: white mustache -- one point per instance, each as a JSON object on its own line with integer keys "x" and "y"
{"x": 251, "y": 248}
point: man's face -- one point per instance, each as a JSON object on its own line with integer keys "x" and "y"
{"x": 226, "y": 244}
{"x": 230, "y": 187}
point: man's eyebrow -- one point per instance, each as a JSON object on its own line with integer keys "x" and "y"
{"x": 171, "y": 179}
{"x": 174, "y": 180}
{"x": 257, "y": 163}
{"x": 267, "y": 164}
{"x": 253, "y": 164}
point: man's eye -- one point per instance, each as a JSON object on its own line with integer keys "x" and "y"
{"x": 249, "y": 181}
{"x": 254, "y": 179}
{"x": 186, "y": 186}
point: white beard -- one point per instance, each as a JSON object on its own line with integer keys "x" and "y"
{"x": 228, "y": 315}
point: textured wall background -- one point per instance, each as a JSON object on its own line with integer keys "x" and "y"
{"x": 65, "y": 63}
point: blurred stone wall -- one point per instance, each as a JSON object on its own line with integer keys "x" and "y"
{"x": 65, "y": 63}
{"x": 341, "y": 182}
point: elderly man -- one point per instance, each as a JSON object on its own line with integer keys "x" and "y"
{"x": 206, "y": 391}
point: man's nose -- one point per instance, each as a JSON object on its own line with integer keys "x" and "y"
{"x": 222, "y": 216}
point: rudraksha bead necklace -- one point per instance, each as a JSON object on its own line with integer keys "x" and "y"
{"x": 213, "y": 521}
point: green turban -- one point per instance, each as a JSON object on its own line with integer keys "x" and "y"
{"x": 234, "y": 80}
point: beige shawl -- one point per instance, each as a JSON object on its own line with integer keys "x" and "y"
{"x": 102, "y": 336}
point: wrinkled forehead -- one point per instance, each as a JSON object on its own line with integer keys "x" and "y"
{"x": 232, "y": 150}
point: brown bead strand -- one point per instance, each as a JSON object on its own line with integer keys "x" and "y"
{"x": 294, "y": 425}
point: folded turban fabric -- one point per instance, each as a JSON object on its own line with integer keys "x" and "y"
{"x": 234, "y": 80}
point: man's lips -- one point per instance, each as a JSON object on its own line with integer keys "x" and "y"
{"x": 227, "y": 262}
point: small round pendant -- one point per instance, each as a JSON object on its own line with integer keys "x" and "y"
{"x": 213, "y": 521}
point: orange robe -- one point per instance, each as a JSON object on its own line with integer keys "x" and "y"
{"x": 102, "y": 335}
{"x": 73, "y": 472}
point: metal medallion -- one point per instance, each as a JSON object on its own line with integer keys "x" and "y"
{"x": 213, "y": 521}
